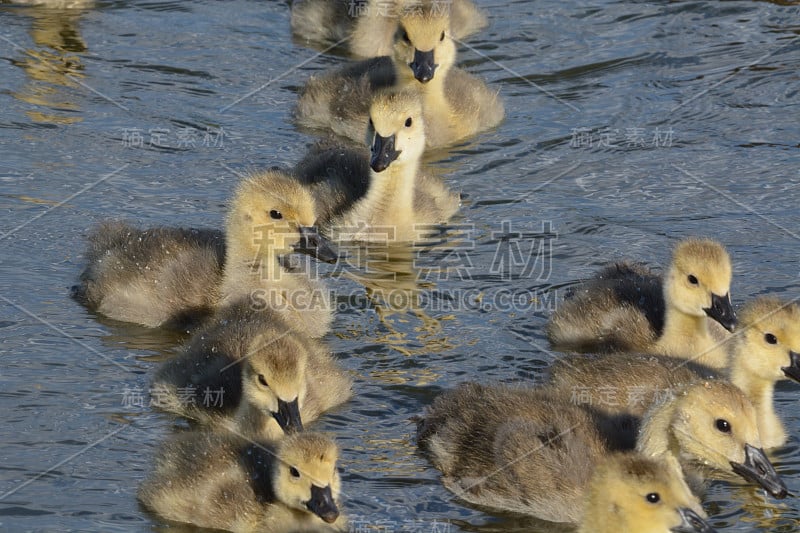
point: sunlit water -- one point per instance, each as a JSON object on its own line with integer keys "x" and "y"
{"x": 629, "y": 125}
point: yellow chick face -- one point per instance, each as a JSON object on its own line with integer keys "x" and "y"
{"x": 423, "y": 43}
{"x": 699, "y": 279}
{"x": 273, "y": 379}
{"x": 632, "y": 493}
{"x": 771, "y": 337}
{"x": 305, "y": 477}
{"x": 396, "y": 129}
{"x": 716, "y": 428}
{"x": 272, "y": 214}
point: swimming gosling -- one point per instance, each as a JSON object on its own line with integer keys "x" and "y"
{"x": 532, "y": 451}
{"x": 220, "y": 481}
{"x": 455, "y": 104}
{"x": 250, "y": 372}
{"x": 174, "y": 276}
{"x": 383, "y": 196}
{"x": 626, "y": 308}
{"x": 514, "y": 449}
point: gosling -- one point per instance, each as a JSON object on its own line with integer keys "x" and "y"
{"x": 455, "y": 104}
{"x": 521, "y": 450}
{"x": 250, "y": 372}
{"x": 763, "y": 351}
{"x": 533, "y": 452}
{"x": 383, "y": 196}
{"x": 220, "y": 481}
{"x": 369, "y": 27}
{"x": 628, "y": 309}
{"x": 173, "y": 277}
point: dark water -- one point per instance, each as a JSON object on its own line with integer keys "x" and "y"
{"x": 629, "y": 125}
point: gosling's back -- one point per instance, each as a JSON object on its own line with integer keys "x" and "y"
{"x": 513, "y": 449}
{"x": 154, "y": 277}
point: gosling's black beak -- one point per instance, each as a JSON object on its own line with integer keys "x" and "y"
{"x": 322, "y": 504}
{"x": 721, "y": 310}
{"x": 793, "y": 370}
{"x": 383, "y": 153}
{"x": 758, "y": 469}
{"x": 313, "y": 244}
{"x": 692, "y": 522}
{"x": 423, "y": 66}
{"x": 288, "y": 416}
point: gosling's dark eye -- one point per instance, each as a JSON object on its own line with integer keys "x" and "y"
{"x": 408, "y": 122}
{"x": 442, "y": 37}
{"x": 406, "y": 38}
{"x": 653, "y": 497}
{"x": 294, "y": 472}
{"x": 262, "y": 380}
{"x": 723, "y": 425}
{"x": 692, "y": 279}
{"x": 770, "y": 338}
{"x": 276, "y": 215}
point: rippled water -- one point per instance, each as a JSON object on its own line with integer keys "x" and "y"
{"x": 629, "y": 125}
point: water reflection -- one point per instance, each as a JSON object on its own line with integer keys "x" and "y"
{"x": 760, "y": 510}
{"x": 53, "y": 67}
{"x": 395, "y": 282}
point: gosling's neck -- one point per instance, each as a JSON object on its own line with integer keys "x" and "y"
{"x": 654, "y": 438}
{"x": 251, "y": 266}
{"x": 760, "y": 391}
{"x": 440, "y": 119}
{"x": 253, "y": 422}
{"x": 389, "y": 201}
{"x": 436, "y": 108}
{"x": 657, "y": 440}
{"x": 688, "y": 336}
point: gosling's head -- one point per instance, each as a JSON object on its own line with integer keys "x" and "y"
{"x": 629, "y": 492}
{"x": 699, "y": 280}
{"x": 423, "y": 47}
{"x": 274, "y": 379}
{"x": 396, "y": 130}
{"x": 305, "y": 477}
{"x": 770, "y": 332}
{"x": 714, "y": 425}
{"x": 271, "y": 215}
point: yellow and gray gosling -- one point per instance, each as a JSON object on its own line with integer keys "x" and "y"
{"x": 221, "y": 481}
{"x": 368, "y": 28}
{"x": 625, "y": 308}
{"x": 478, "y": 436}
{"x": 174, "y": 276}
{"x": 764, "y": 350}
{"x": 383, "y": 196}
{"x": 455, "y": 104}
{"x": 513, "y": 449}
{"x": 250, "y": 372}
